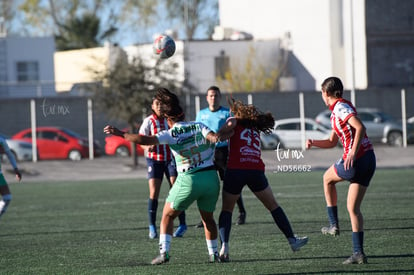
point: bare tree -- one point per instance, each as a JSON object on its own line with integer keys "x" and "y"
{"x": 137, "y": 18}
{"x": 192, "y": 14}
{"x": 6, "y": 16}
{"x": 250, "y": 75}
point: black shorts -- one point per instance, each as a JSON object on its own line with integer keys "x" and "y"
{"x": 236, "y": 179}
{"x": 362, "y": 170}
{"x": 220, "y": 160}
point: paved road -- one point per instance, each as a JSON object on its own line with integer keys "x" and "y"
{"x": 121, "y": 168}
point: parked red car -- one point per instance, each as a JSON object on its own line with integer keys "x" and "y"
{"x": 58, "y": 143}
{"x": 120, "y": 147}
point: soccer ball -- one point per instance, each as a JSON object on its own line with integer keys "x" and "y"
{"x": 164, "y": 46}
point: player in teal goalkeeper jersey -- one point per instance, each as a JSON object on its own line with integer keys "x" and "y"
{"x": 4, "y": 188}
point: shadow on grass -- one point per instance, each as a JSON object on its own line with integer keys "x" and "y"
{"x": 324, "y": 257}
{"x": 193, "y": 226}
{"x": 339, "y": 258}
{"x": 136, "y": 263}
{"x": 73, "y": 231}
{"x": 80, "y": 231}
{"x": 380, "y": 271}
{"x": 342, "y": 271}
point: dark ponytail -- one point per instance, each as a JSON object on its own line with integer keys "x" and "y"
{"x": 333, "y": 87}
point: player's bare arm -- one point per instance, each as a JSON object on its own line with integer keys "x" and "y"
{"x": 227, "y": 130}
{"x": 137, "y": 138}
{"x": 323, "y": 143}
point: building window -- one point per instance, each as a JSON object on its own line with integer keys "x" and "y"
{"x": 222, "y": 65}
{"x": 27, "y": 71}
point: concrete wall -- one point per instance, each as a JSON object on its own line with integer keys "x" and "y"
{"x": 390, "y": 43}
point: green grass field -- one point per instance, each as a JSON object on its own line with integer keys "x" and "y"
{"x": 100, "y": 227}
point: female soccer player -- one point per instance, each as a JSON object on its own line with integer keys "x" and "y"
{"x": 4, "y": 188}
{"x": 159, "y": 162}
{"x": 357, "y": 165}
{"x": 245, "y": 167}
{"x": 192, "y": 144}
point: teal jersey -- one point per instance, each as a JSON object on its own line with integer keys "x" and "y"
{"x": 214, "y": 120}
{"x": 187, "y": 140}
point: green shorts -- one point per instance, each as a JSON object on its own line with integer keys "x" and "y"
{"x": 202, "y": 186}
{"x": 2, "y": 180}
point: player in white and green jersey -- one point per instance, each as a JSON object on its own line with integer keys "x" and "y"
{"x": 193, "y": 154}
{"x": 4, "y": 188}
{"x": 190, "y": 148}
{"x": 192, "y": 144}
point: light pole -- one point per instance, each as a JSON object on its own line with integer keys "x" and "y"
{"x": 352, "y": 54}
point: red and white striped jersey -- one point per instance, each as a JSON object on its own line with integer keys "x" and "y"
{"x": 342, "y": 111}
{"x": 153, "y": 125}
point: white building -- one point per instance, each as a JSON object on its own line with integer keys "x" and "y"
{"x": 320, "y": 31}
{"x": 26, "y": 66}
{"x": 203, "y": 62}
{"x": 75, "y": 68}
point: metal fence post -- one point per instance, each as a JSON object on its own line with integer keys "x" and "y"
{"x": 33, "y": 124}
{"x": 404, "y": 118}
{"x": 90, "y": 129}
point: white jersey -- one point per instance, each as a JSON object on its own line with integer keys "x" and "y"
{"x": 187, "y": 140}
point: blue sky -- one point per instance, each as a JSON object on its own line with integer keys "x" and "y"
{"x": 127, "y": 33}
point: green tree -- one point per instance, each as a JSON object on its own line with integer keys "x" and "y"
{"x": 126, "y": 89}
{"x": 80, "y": 33}
{"x": 75, "y": 23}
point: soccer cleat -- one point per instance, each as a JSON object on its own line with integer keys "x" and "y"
{"x": 161, "y": 259}
{"x": 241, "y": 219}
{"x": 182, "y": 228}
{"x": 356, "y": 258}
{"x": 332, "y": 229}
{"x": 152, "y": 232}
{"x": 214, "y": 258}
{"x": 199, "y": 225}
{"x": 224, "y": 258}
{"x": 297, "y": 242}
